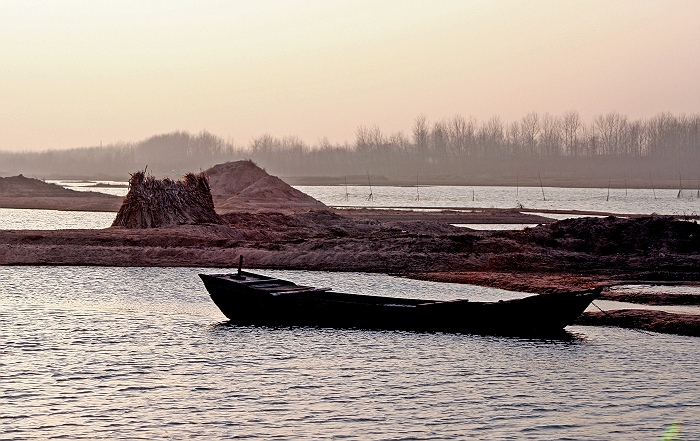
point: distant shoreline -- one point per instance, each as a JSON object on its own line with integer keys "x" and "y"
{"x": 381, "y": 181}
{"x": 616, "y": 182}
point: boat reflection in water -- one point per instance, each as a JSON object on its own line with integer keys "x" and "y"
{"x": 253, "y": 299}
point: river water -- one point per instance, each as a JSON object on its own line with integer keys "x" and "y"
{"x": 142, "y": 353}
{"x": 621, "y": 201}
{"x": 615, "y": 200}
{"x": 26, "y": 219}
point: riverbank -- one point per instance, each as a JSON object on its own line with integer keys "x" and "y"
{"x": 564, "y": 255}
{"x": 27, "y": 193}
{"x": 276, "y": 226}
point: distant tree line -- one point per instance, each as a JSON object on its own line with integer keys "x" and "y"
{"x": 451, "y": 150}
{"x": 171, "y": 154}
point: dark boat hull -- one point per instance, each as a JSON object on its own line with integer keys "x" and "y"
{"x": 259, "y": 300}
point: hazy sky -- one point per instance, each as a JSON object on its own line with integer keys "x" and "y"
{"x": 74, "y": 73}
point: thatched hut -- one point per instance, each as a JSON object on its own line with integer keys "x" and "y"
{"x": 153, "y": 203}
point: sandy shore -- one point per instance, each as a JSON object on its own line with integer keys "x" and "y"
{"x": 22, "y": 192}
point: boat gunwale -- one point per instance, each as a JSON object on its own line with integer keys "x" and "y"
{"x": 336, "y": 296}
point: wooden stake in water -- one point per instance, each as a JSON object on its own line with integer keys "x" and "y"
{"x": 517, "y": 184}
{"x": 371, "y": 196}
{"x": 652, "y": 186}
{"x": 417, "y": 191}
{"x": 607, "y": 199}
{"x": 541, "y": 186}
{"x": 473, "y": 195}
{"x": 624, "y": 176}
{"x": 347, "y": 195}
{"x": 680, "y": 185}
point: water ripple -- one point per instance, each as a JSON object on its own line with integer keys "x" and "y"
{"x": 88, "y": 353}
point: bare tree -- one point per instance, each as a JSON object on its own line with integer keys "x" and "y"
{"x": 530, "y": 130}
{"x": 421, "y": 135}
{"x": 611, "y": 130}
{"x": 571, "y": 131}
{"x": 492, "y": 136}
{"x": 550, "y": 139}
{"x": 514, "y": 139}
{"x": 439, "y": 139}
{"x": 399, "y": 141}
{"x": 461, "y": 135}
{"x": 362, "y": 139}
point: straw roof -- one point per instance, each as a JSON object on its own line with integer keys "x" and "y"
{"x": 153, "y": 203}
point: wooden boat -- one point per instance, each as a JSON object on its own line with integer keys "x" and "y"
{"x": 253, "y": 299}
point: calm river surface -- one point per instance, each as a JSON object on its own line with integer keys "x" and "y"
{"x": 632, "y": 201}
{"x": 620, "y": 201}
{"x": 615, "y": 200}
{"x": 142, "y": 353}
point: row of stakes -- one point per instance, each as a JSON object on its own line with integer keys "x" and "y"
{"x": 370, "y": 197}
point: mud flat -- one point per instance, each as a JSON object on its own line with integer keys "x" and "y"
{"x": 656, "y": 321}
{"x": 22, "y": 192}
{"x": 562, "y": 255}
{"x": 660, "y": 298}
{"x": 474, "y": 216}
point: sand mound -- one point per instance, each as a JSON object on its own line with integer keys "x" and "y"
{"x": 153, "y": 203}
{"x": 21, "y": 192}
{"x": 242, "y": 186}
{"x": 20, "y": 186}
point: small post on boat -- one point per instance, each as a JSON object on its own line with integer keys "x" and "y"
{"x": 240, "y": 266}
